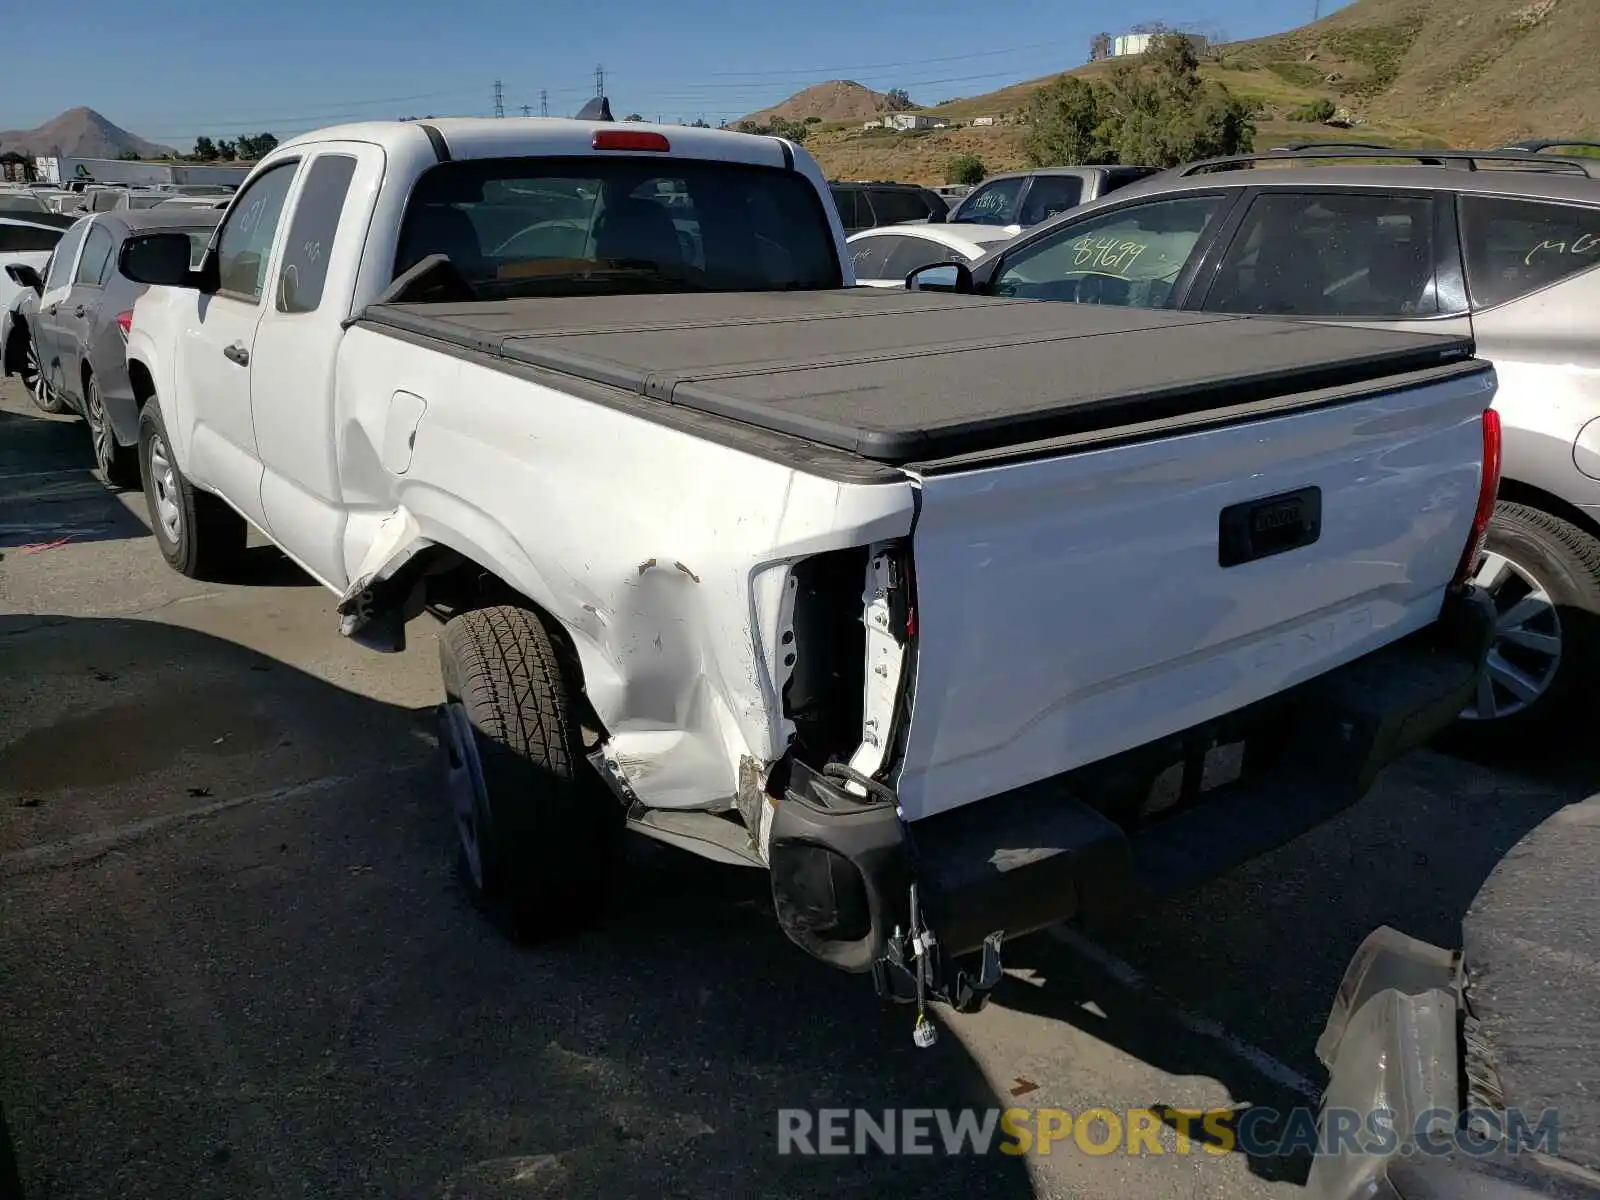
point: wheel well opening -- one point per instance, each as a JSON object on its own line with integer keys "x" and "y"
{"x": 143, "y": 386}
{"x": 16, "y": 345}
{"x": 447, "y": 583}
{"x": 1514, "y": 491}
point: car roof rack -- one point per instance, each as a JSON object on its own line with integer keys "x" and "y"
{"x": 1464, "y": 159}
{"x": 1540, "y": 145}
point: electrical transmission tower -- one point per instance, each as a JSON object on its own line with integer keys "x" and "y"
{"x": 599, "y": 80}
{"x": 544, "y": 103}
{"x": 527, "y": 110}
{"x": 499, "y": 99}
{"x": 1316, "y": 10}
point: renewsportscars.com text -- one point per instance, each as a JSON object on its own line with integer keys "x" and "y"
{"x": 1258, "y": 1132}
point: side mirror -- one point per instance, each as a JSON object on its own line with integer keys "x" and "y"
{"x": 25, "y": 276}
{"x": 159, "y": 259}
{"x": 941, "y": 277}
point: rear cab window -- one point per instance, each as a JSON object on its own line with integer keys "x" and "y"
{"x": 1517, "y": 247}
{"x": 1048, "y": 196}
{"x": 619, "y": 224}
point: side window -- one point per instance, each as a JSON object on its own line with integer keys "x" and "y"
{"x": 992, "y": 203}
{"x": 245, "y": 242}
{"x": 1049, "y": 196}
{"x": 1515, "y": 247}
{"x": 867, "y": 256}
{"x": 96, "y": 257}
{"x": 1367, "y": 254}
{"x": 853, "y": 214}
{"x": 893, "y": 205}
{"x": 1131, "y": 257}
{"x": 914, "y": 252}
{"x": 311, "y": 232}
{"x": 66, "y": 251}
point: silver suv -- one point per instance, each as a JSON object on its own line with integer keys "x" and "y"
{"x": 1500, "y": 244}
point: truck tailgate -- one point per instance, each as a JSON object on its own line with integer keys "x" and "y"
{"x": 1074, "y": 604}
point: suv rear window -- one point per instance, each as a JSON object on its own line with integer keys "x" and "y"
{"x": 623, "y": 224}
{"x": 892, "y": 205}
{"x": 1515, "y": 247}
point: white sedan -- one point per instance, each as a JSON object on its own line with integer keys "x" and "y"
{"x": 884, "y": 256}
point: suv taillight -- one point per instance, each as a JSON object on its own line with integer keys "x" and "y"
{"x": 125, "y": 322}
{"x": 1488, "y": 490}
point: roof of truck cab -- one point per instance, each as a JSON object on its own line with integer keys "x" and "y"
{"x": 515, "y": 137}
{"x": 911, "y": 376}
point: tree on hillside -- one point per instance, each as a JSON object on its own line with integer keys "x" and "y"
{"x": 129, "y": 156}
{"x": 899, "y": 100}
{"x": 1154, "y": 110}
{"x": 1064, "y": 125}
{"x": 633, "y": 117}
{"x": 781, "y": 127}
{"x": 227, "y": 151}
{"x": 1099, "y": 47}
{"x": 205, "y": 150}
{"x": 965, "y": 168}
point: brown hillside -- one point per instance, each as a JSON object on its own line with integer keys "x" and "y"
{"x": 80, "y": 133}
{"x": 1482, "y": 71}
{"x": 836, "y": 100}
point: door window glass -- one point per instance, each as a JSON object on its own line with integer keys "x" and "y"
{"x": 245, "y": 244}
{"x": 1363, "y": 254}
{"x": 992, "y": 204}
{"x": 66, "y": 253}
{"x": 867, "y": 256}
{"x": 1050, "y": 195}
{"x": 1131, "y": 257}
{"x": 96, "y": 257}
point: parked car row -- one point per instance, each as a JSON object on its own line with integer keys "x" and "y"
{"x": 64, "y": 329}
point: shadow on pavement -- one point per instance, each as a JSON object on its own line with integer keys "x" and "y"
{"x": 264, "y": 980}
{"x": 1261, "y": 951}
{"x": 48, "y": 491}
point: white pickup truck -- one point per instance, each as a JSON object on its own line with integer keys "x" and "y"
{"x": 949, "y": 612}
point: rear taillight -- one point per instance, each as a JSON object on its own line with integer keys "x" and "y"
{"x": 125, "y": 322}
{"x": 1488, "y": 489}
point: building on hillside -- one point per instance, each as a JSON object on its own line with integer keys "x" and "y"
{"x": 906, "y": 121}
{"x": 1138, "y": 43}
{"x": 873, "y": 124}
{"x": 983, "y": 121}
{"x": 60, "y": 169}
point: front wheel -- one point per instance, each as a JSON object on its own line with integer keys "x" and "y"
{"x": 1543, "y": 574}
{"x": 536, "y": 827}
{"x": 34, "y": 380}
{"x": 198, "y": 534}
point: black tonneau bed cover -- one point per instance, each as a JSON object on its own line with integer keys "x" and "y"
{"x": 901, "y": 376}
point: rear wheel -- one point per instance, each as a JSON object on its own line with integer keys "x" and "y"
{"x": 198, "y": 534}
{"x": 1544, "y": 576}
{"x": 536, "y": 828}
{"x": 118, "y": 465}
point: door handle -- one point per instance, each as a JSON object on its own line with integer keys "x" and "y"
{"x": 238, "y": 354}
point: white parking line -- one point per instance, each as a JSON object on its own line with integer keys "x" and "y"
{"x": 1129, "y": 977}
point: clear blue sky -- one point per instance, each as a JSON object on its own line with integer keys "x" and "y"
{"x": 169, "y": 70}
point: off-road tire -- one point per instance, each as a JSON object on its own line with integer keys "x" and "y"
{"x": 546, "y": 827}
{"x": 1566, "y": 561}
{"x": 210, "y": 539}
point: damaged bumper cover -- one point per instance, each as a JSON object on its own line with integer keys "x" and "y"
{"x": 842, "y": 867}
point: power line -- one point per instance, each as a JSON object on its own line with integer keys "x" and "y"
{"x": 499, "y": 99}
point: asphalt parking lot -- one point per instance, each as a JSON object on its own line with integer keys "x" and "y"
{"x": 234, "y": 960}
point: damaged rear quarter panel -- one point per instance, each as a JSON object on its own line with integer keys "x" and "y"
{"x": 645, "y": 541}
